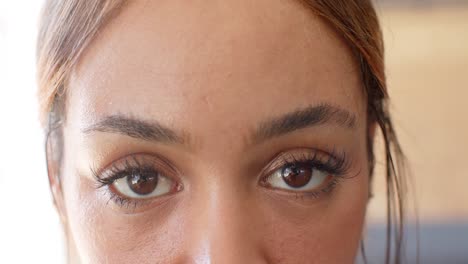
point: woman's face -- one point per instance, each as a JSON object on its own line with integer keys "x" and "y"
{"x": 215, "y": 132}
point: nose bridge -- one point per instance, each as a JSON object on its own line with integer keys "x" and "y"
{"x": 223, "y": 227}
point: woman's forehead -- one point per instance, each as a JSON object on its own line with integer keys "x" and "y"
{"x": 181, "y": 62}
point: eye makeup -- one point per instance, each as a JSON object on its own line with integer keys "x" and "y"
{"x": 137, "y": 179}
{"x": 143, "y": 179}
{"x": 306, "y": 172}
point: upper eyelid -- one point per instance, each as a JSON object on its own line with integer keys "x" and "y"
{"x": 280, "y": 159}
{"x": 343, "y": 163}
{"x": 305, "y": 154}
{"x": 165, "y": 167}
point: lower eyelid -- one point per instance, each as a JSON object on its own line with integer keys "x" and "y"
{"x": 314, "y": 194}
{"x": 327, "y": 190}
{"x": 332, "y": 184}
{"x": 178, "y": 186}
{"x": 129, "y": 205}
{"x": 116, "y": 170}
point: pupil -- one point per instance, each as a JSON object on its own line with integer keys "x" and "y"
{"x": 142, "y": 184}
{"x": 297, "y": 176}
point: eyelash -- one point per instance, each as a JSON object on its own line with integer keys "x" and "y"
{"x": 115, "y": 172}
{"x": 336, "y": 164}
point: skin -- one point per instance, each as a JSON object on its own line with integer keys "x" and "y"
{"x": 213, "y": 72}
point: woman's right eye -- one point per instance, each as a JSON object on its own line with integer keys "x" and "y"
{"x": 143, "y": 184}
{"x": 137, "y": 178}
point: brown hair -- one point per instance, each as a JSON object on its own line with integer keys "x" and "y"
{"x": 68, "y": 26}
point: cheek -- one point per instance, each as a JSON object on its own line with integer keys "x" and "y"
{"x": 102, "y": 235}
{"x": 327, "y": 232}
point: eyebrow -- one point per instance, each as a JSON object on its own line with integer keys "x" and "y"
{"x": 304, "y": 118}
{"x": 275, "y": 127}
{"x": 135, "y": 128}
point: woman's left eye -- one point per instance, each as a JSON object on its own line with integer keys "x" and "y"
{"x": 298, "y": 177}
{"x": 140, "y": 184}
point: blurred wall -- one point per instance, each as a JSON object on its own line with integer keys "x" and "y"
{"x": 427, "y": 70}
{"x": 29, "y": 226}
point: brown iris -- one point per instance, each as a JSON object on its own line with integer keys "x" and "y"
{"x": 297, "y": 175}
{"x": 143, "y": 183}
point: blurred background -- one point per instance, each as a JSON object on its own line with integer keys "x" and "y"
{"x": 427, "y": 68}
